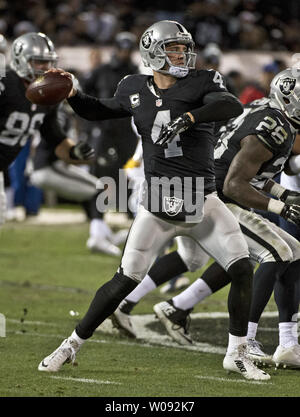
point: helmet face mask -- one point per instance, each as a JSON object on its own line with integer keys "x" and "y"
{"x": 30, "y": 54}
{"x": 285, "y": 93}
{"x": 154, "y": 48}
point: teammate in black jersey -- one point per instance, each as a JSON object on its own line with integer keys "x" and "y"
{"x": 31, "y": 55}
{"x": 252, "y": 149}
{"x": 173, "y": 111}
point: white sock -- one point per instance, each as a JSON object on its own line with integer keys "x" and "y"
{"x": 195, "y": 293}
{"x": 234, "y": 342}
{"x": 78, "y": 339}
{"x": 288, "y": 334}
{"x": 252, "y": 330}
{"x": 98, "y": 227}
{"x": 141, "y": 290}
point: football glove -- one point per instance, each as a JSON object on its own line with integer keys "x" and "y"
{"x": 82, "y": 151}
{"x": 173, "y": 128}
{"x": 291, "y": 213}
{"x": 291, "y": 197}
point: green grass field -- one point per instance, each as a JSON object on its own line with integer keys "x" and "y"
{"x": 46, "y": 272}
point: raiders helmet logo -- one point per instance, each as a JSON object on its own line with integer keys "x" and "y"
{"x": 147, "y": 39}
{"x": 18, "y": 48}
{"x": 287, "y": 85}
{"x": 172, "y": 205}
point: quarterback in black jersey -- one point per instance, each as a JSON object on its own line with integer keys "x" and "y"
{"x": 31, "y": 55}
{"x": 252, "y": 149}
{"x": 174, "y": 111}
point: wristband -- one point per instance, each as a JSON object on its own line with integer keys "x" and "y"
{"x": 277, "y": 190}
{"x": 275, "y": 206}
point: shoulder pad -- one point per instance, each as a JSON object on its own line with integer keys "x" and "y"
{"x": 132, "y": 82}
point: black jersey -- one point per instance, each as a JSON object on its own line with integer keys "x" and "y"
{"x": 20, "y": 120}
{"x": 44, "y": 153}
{"x": 272, "y": 129}
{"x": 190, "y": 154}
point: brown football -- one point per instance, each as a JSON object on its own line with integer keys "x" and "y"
{"x": 48, "y": 89}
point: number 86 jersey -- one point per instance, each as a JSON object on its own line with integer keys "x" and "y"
{"x": 20, "y": 120}
{"x": 270, "y": 126}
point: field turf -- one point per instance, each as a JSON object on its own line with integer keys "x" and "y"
{"x": 46, "y": 272}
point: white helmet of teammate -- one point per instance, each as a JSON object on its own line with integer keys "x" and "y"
{"x": 285, "y": 93}
{"x": 153, "y": 48}
{"x": 29, "y": 47}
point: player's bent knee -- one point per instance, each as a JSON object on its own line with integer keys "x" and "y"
{"x": 39, "y": 178}
{"x": 241, "y": 269}
{"x": 192, "y": 256}
{"x": 135, "y": 264}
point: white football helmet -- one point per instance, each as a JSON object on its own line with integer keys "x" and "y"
{"x": 28, "y": 47}
{"x": 153, "y": 48}
{"x": 285, "y": 93}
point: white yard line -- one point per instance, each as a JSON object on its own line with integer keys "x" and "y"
{"x": 244, "y": 381}
{"x": 31, "y": 323}
{"x": 86, "y": 381}
{"x": 150, "y": 337}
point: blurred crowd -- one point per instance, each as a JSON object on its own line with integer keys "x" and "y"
{"x": 231, "y": 24}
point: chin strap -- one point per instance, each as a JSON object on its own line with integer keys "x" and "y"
{"x": 178, "y": 72}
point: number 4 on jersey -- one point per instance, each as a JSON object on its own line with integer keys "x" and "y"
{"x": 161, "y": 119}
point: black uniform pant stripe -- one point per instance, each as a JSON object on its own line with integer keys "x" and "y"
{"x": 67, "y": 174}
{"x": 262, "y": 242}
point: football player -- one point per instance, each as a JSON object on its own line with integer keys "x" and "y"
{"x": 252, "y": 149}
{"x": 74, "y": 183}
{"x": 31, "y": 55}
{"x": 173, "y": 111}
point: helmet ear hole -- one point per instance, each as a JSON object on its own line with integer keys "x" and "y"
{"x": 286, "y": 100}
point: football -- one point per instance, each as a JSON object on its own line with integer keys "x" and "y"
{"x": 49, "y": 89}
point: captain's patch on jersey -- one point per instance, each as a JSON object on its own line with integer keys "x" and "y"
{"x": 135, "y": 100}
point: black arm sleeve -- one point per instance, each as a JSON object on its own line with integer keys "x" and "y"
{"x": 52, "y": 129}
{"x": 217, "y": 106}
{"x": 92, "y": 108}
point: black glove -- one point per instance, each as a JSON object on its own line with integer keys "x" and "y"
{"x": 173, "y": 128}
{"x": 82, "y": 151}
{"x": 291, "y": 213}
{"x": 291, "y": 197}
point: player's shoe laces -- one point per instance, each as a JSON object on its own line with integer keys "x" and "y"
{"x": 287, "y": 357}
{"x": 256, "y": 354}
{"x": 175, "y": 320}
{"x": 65, "y": 353}
{"x": 103, "y": 245}
{"x": 238, "y": 361}
{"x": 122, "y": 321}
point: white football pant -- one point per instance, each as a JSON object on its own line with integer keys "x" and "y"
{"x": 218, "y": 234}
{"x": 266, "y": 241}
{"x": 68, "y": 181}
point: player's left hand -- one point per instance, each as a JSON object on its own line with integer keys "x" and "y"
{"x": 173, "y": 128}
{"x": 82, "y": 151}
{"x": 291, "y": 197}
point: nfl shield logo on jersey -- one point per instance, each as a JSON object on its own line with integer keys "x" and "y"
{"x": 172, "y": 205}
{"x": 158, "y": 102}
